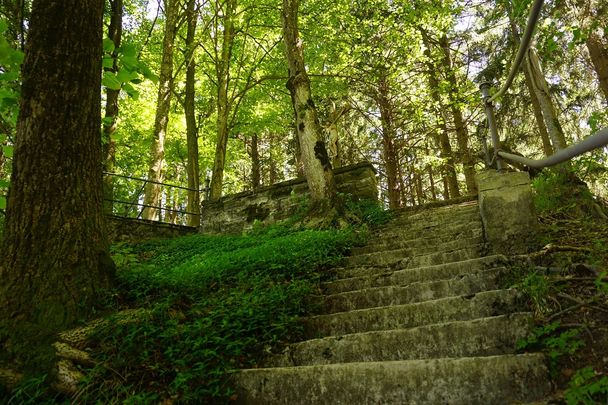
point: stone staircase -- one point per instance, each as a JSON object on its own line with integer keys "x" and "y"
{"x": 416, "y": 316}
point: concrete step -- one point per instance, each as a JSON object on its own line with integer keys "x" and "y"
{"x": 403, "y": 260}
{"x": 470, "y": 380}
{"x": 460, "y": 308}
{"x": 429, "y": 229}
{"x": 422, "y": 221}
{"x": 391, "y": 256}
{"x": 359, "y": 278}
{"x": 480, "y": 337}
{"x": 449, "y": 211}
{"x": 396, "y": 243}
{"x": 415, "y": 292}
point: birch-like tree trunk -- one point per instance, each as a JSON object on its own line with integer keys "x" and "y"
{"x": 314, "y": 157}
{"x": 192, "y": 166}
{"x": 223, "y": 105}
{"x": 541, "y": 89}
{"x": 153, "y": 194}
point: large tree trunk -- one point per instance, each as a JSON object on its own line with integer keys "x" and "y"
{"x": 541, "y": 89}
{"x": 191, "y": 128}
{"x": 152, "y": 196}
{"x": 598, "y": 51}
{"x": 55, "y": 256}
{"x": 111, "y": 113}
{"x": 462, "y": 135}
{"x": 389, "y": 151}
{"x": 317, "y": 166}
{"x": 223, "y": 105}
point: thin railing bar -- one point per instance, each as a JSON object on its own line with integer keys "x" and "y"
{"x": 150, "y": 206}
{"x": 149, "y": 181}
{"x": 523, "y": 47}
{"x": 597, "y": 140}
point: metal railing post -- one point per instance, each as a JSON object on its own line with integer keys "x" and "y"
{"x": 487, "y": 102}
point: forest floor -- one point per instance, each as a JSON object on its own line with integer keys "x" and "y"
{"x": 567, "y": 285}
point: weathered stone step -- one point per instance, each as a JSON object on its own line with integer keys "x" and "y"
{"x": 465, "y": 284}
{"x": 437, "y": 216}
{"x": 359, "y": 278}
{"x": 470, "y": 380}
{"x": 395, "y": 243}
{"x": 393, "y": 256}
{"x": 455, "y": 230}
{"x": 460, "y": 308}
{"x": 479, "y": 337}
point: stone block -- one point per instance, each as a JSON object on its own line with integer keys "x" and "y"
{"x": 507, "y": 211}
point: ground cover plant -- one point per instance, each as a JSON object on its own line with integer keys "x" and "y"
{"x": 210, "y": 304}
{"x": 565, "y": 282}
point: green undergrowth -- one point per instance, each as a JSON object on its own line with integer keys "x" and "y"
{"x": 213, "y": 304}
{"x": 566, "y": 283}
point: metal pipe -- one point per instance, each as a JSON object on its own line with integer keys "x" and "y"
{"x": 487, "y": 103}
{"x": 148, "y": 181}
{"x": 523, "y": 47}
{"x": 597, "y": 140}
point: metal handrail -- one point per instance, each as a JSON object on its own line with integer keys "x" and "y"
{"x": 597, "y": 140}
{"x": 524, "y": 45}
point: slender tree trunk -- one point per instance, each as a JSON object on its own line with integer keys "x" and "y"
{"x": 223, "y": 105}
{"x": 462, "y": 135}
{"x": 192, "y": 167}
{"x": 255, "y": 162}
{"x": 538, "y": 113}
{"x": 543, "y": 95}
{"x": 55, "y": 255}
{"x": 429, "y": 169}
{"x": 272, "y": 166}
{"x": 161, "y": 121}
{"x": 111, "y": 112}
{"x": 316, "y": 163}
{"x": 598, "y": 51}
{"x": 389, "y": 151}
{"x": 443, "y": 140}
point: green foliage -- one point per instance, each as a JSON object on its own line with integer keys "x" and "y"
{"x": 545, "y": 337}
{"x": 217, "y": 303}
{"x": 587, "y": 387}
{"x": 367, "y": 211}
{"x": 32, "y": 390}
{"x": 561, "y": 193}
{"x": 537, "y": 288}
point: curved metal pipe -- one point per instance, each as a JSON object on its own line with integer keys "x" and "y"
{"x": 597, "y": 140}
{"x": 523, "y": 47}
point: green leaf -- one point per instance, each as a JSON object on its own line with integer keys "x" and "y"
{"x": 107, "y": 62}
{"x": 145, "y": 70}
{"x": 111, "y": 81}
{"x": 106, "y": 121}
{"x": 7, "y": 151}
{"x": 2, "y": 202}
{"x": 4, "y": 183}
{"x": 134, "y": 94}
{"x": 126, "y": 75}
{"x": 108, "y": 45}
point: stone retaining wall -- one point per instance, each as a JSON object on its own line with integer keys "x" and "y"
{"x": 121, "y": 229}
{"x": 238, "y": 212}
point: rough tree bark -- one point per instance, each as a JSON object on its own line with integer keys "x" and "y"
{"x": 55, "y": 256}
{"x": 223, "y": 107}
{"x": 192, "y": 166}
{"x": 152, "y": 195}
{"x": 111, "y": 111}
{"x": 389, "y": 150}
{"x": 317, "y": 166}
